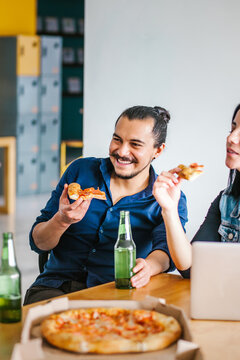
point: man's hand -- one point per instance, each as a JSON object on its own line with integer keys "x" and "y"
{"x": 143, "y": 273}
{"x": 166, "y": 189}
{"x": 71, "y": 213}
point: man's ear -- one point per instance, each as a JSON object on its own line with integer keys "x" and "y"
{"x": 159, "y": 150}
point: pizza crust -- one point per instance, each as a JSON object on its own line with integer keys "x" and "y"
{"x": 73, "y": 191}
{"x": 76, "y": 337}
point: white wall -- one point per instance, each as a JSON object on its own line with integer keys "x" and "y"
{"x": 179, "y": 54}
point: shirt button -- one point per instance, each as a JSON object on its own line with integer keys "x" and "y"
{"x": 111, "y": 209}
{"x": 230, "y": 236}
{"x": 93, "y": 250}
{"x": 101, "y": 231}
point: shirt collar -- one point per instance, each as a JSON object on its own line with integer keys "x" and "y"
{"x": 106, "y": 170}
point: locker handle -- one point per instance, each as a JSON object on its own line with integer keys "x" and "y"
{"x": 55, "y": 83}
{"x": 21, "y": 129}
{"x": 44, "y": 90}
{"x": 34, "y": 44}
{"x": 34, "y": 83}
{"x": 43, "y": 128}
{"x": 56, "y": 45}
{"x": 44, "y": 51}
{"x": 33, "y": 161}
{"x": 42, "y": 167}
{"x": 54, "y": 159}
{"x": 21, "y": 90}
{"x": 34, "y": 122}
{"x": 21, "y": 50}
{"x": 21, "y": 169}
{"x": 55, "y": 121}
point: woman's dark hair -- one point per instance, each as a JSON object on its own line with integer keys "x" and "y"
{"x": 160, "y": 116}
{"x": 235, "y": 112}
{"x": 234, "y": 173}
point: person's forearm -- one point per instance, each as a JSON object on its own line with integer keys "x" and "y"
{"x": 158, "y": 261}
{"x": 178, "y": 244}
{"x": 46, "y": 235}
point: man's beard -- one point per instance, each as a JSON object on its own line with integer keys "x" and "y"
{"x": 133, "y": 174}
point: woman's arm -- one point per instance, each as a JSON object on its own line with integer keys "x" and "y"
{"x": 166, "y": 190}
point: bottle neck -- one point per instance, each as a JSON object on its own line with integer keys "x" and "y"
{"x": 8, "y": 254}
{"x": 124, "y": 230}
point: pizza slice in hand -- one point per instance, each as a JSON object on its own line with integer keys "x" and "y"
{"x": 75, "y": 192}
{"x": 190, "y": 172}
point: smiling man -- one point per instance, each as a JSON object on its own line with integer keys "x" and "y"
{"x": 81, "y": 235}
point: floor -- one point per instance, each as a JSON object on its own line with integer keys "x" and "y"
{"x": 27, "y": 209}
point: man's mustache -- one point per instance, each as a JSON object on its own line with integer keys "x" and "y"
{"x": 123, "y": 158}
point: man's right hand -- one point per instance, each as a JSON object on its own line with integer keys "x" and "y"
{"x": 47, "y": 234}
{"x": 71, "y": 213}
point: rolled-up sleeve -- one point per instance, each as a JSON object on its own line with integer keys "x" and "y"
{"x": 49, "y": 211}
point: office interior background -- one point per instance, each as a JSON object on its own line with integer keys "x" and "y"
{"x": 179, "y": 54}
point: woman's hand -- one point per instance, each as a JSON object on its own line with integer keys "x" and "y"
{"x": 166, "y": 189}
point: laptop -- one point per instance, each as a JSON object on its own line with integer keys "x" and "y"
{"x": 215, "y": 281}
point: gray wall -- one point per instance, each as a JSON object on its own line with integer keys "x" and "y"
{"x": 179, "y": 54}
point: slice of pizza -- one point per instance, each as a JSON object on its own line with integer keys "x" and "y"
{"x": 190, "y": 172}
{"x": 75, "y": 192}
{"x": 92, "y": 193}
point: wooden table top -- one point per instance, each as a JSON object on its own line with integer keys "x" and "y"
{"x": 217, "y": 339}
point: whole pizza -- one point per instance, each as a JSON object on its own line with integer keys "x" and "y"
{"x": 110, "y": 330}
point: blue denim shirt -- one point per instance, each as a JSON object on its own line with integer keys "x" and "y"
{"x": 229, "y": 228}
{"x": 87, "y": 246}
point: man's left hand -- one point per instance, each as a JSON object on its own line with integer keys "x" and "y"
{"x": 143, "y": 273}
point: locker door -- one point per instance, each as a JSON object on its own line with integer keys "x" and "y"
{"x": 51, "y": 55}
{"x": 27, "y": 174}
{"x": 49, "y": 171}
{"x": 28, "y": 55}
{"x": 28, "y": 134}
{"x": 50, "y": 133}
{"x": 50, "y": 97}
{"x": 28, "y": 94}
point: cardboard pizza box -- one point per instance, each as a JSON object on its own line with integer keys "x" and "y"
{"x": 34, "y": 347}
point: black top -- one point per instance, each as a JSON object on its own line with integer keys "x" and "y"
{"x": 208, "y": 231}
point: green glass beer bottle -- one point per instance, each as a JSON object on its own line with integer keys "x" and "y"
{"x": 124, "y": 253}
{"x": 10, "y": 283}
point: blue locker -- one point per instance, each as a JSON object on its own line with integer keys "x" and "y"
{"x": 50, "y": 96}
{"x": 28, "y": 134}
{"x": 51, "y": 55}
{"x": 50, "y": 132}
{"x": 27, "y": 174}
{"x": 27, "y": 94}
{"x": 49, "y": 171}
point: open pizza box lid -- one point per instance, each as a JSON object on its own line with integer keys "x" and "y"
{"x": 34, "y": 347}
